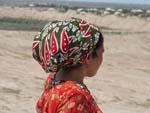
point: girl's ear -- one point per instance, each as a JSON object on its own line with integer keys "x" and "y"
{"x": 88, "y": 60}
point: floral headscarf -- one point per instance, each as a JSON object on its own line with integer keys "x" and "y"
{"x": 62, "y": 44}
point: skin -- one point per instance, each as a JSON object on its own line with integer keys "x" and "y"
{"x": 88, "y": 69}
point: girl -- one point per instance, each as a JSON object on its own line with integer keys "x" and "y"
{"x": 69, "y": 51}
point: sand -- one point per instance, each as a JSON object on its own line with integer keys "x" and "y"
{"x": 121, "y": 84}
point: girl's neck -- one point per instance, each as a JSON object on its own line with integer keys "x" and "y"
{"x": 70, "y": 76}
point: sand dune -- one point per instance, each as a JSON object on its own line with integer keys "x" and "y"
{"x": 120, "y": 86}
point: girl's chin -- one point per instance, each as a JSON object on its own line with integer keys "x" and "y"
{"x": 91, "y": 75}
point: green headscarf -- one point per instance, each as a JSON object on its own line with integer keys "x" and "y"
{"x": 62, "y": 44}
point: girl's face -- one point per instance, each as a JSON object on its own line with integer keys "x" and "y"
{"x": 94, "y": 63}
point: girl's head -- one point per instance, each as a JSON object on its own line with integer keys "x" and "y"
{"x": 68, "y": 45}
{"x": 95, "y": 59}
{"x": 92, "y": 63}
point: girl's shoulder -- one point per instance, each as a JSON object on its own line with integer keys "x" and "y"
{"x": 73, "y": 94}
{"x": 72, "y": 87}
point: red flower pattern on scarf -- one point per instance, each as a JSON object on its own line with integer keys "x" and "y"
{"x": 54, "y": 44}
{"x": 64, "y": 41}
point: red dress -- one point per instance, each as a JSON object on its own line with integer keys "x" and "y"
{"x": 66, "y": 97}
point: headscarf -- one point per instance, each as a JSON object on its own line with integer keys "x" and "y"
{"x": 62, "y": 44}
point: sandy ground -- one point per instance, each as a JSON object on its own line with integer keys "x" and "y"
{"x": 122, "y": 84}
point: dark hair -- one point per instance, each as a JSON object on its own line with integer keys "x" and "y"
{"x": 98, "y": 45}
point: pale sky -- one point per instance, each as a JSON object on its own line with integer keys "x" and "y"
{"x": 118, "y": 1}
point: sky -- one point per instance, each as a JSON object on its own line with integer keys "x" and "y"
{"x": 118, "y": 1}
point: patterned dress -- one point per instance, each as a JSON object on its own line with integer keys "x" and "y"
{"x": 66, "y": 97}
